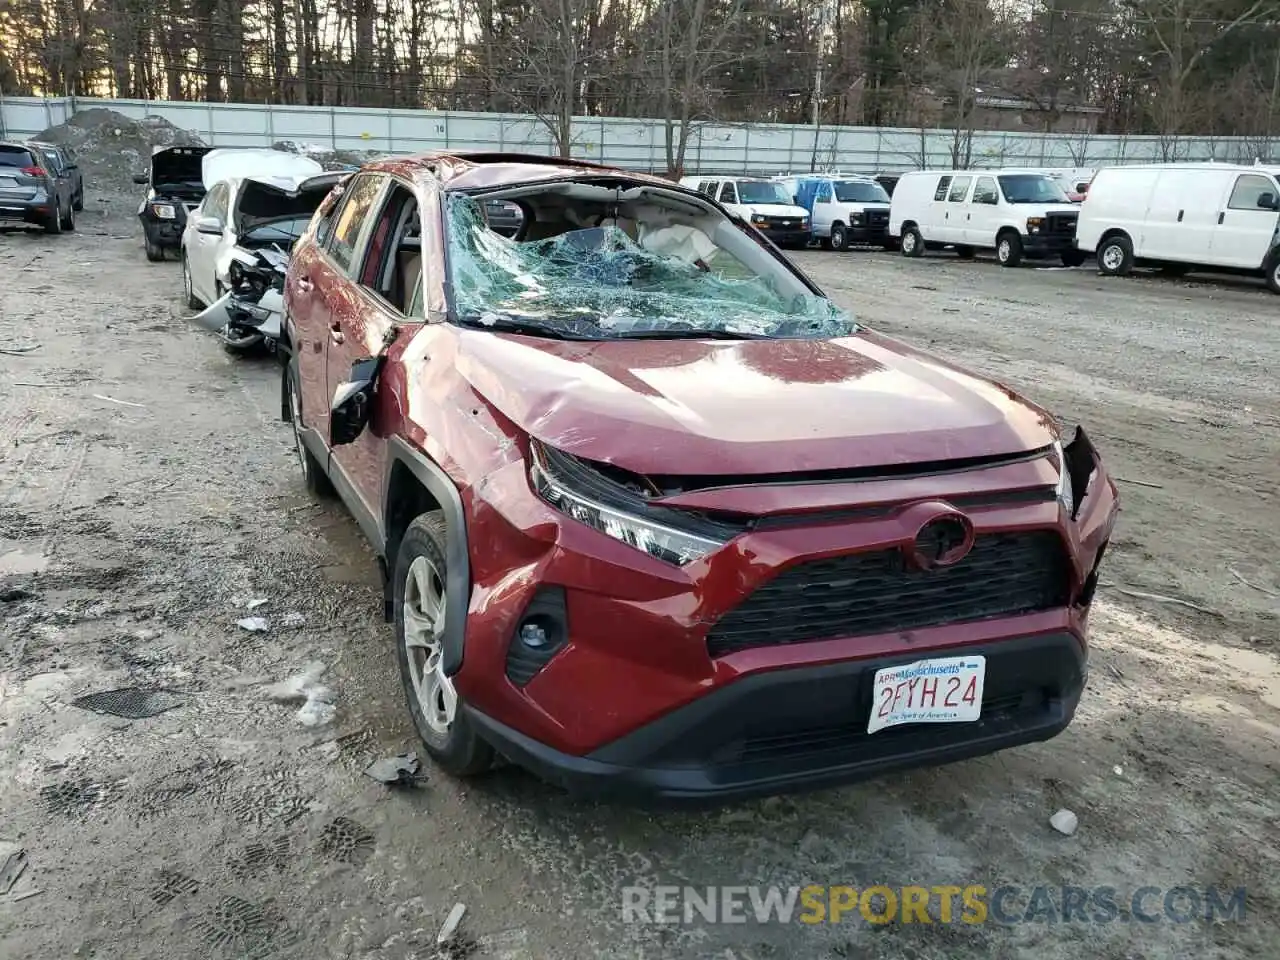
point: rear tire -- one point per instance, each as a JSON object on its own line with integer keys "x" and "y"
{"x": 69, "y": 221}
{"x": 964, "y": 252}
{"x": 1009, "y": 249}
{"x": 1115, "y": 256}
{"x": 78, "y": 202}
{"x": 420, "y": 573}
{"x": 911, "y": 244}
{"x": 54, "y": 222}
{"x": 313, "y": 475}
{"x": 1072, "y": 258}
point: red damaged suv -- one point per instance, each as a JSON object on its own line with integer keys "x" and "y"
{"x": 658, "y": 519}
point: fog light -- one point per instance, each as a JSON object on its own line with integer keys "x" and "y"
{"x": 533, "y": 635}
{"x": 540, "y": 633}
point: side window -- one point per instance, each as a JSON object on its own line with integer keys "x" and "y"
{"x": 824, "y": 193}
{"x": 391, "y": 265}
{"x": 959, "y": 189}
{"x": 353, "y": 215}
{"x": 728, "y": 194}
{"x": 1248, "y": 189}
{"x": 943, "y": 184}
{"x": 984, "y": 191}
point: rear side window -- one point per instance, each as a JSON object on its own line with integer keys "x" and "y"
{"x": 1249, "y": 187}
{"x": 355, "y": 211}
{"x": 16, "y": 157}
{"x": 943, "y": 184}
{"x": 959, "y": 189}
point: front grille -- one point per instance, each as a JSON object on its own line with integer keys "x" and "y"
{"x": 1062, "y": 223}
{"x": 875, "y": 592}
{"x": 785, "y": 223}
{"x": 877, "y": 218}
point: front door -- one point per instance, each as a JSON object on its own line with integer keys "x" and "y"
{"x": 823, "y": 209}
{"x": 384, "y": 272}
{"x": 1245, "y": 230}
{"x": 202, "y": 248}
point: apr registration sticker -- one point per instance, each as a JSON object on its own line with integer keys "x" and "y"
{"x": 945, "y": 690}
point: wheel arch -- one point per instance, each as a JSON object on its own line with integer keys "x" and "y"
{"x": 414, "y": 484}
{"x": 1112, "y": 232}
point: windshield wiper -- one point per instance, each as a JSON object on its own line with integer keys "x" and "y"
{"x": 686, "y": 333}
{"x": 530, "y": 327}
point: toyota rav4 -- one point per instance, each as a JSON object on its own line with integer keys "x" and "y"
{"x": 656, "y": 518}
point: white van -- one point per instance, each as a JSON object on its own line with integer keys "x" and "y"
{"x": 1179, "y": 216}
{"x": 763, "y": 203}
{"x": 843, "y": 209}
{"x": 1017, "y": 213}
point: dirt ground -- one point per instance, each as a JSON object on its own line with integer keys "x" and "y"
{"x": 148, "y": 492}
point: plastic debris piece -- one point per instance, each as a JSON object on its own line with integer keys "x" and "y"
{"x": 398, "y": 771}
{"x": 256, "y": 603}
{"x": 132, "y": 703}
{"x": 254, "y": 624}
{"x": 299, "y": 686}
{"x": 11, "y": 869}
{"x": 1065, "y": 822}
{"x": 1118, "y": 770}
{"x": 26, "y": 894}
{"x": 316, "y": 713}
{"x": 451, "y": 922}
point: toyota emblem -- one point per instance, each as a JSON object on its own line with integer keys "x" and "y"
{"x": 942, "y": 542}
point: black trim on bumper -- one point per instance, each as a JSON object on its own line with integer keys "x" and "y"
{"x": 1047, "y": 245}
{"x": 805, "y": 728}
{"x": 785, "y": 237}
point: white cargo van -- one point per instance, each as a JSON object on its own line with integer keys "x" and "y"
{"x": 1017, "y": 213}
{"x": 763, "y": 203}
{"x": 1179, "y": 216}
{"x": 843, "y": 209}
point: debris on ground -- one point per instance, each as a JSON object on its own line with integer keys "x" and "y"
{"x": 398, "y": 771}
{"x": 123, "y": 403}
{"x": 12, "y": 865}
{"x": 450, "y": 928}
{"x": 1118, "y": 771}
{"x": 14, "y": 595}
{"x": 317, "y": 711}
{"x": 293, "y": 619}
{"x": 18, "y": 351}
{"x": 299, "y": 686}
{"x": 1065, "y": 822}
{"x": 254, "y": 624}
{"x": 132, "y": 703}
{"x": 255, "y": 603}
{"x": 1249, "y": 583}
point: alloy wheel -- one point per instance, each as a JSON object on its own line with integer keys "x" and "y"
{"x": 1004, "y": 251}
{"x": 424, "y": 621}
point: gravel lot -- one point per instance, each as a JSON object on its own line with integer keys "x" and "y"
{"x": 148, "y": 492}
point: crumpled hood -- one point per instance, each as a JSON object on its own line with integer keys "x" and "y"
{"x": 264, "y": 199}
{"x": 693, "y": 407}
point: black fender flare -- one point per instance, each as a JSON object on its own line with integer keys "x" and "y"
{"x": 457, "y": 556}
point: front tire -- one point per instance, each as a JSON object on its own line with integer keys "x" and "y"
{"x": 421, "y": 607}
{"x": 1273, "y": 273}
{"x": 1115, "y": 256}
{"x": 53, "y": 224}
{"x": 911, "y": 244}
{"x": 188, "y": 291}
{"x": 155, "y": 252}
{"x": 1009, "y": 249}
{"x": 839, "y": 237}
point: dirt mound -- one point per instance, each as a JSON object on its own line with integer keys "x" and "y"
{"x": 113, "y": 147}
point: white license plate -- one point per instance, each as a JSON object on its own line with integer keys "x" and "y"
{"x": 8, "y": 183}
{"x": 944, "y": 690}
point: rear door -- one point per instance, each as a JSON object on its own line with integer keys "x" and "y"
{"x": 317, "y": 282}
{"x": 383, "y": 276}
{"x": 1245, "y": 231}
{"x": 1182, "y": 216}
{"x": 932, "y": 224}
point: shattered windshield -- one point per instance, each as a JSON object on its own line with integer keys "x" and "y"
{"x": 761, "y": 191}
{"x": 599, "y": 283}
{"x": 1031, "y": 188}
{"x": 854, "y": 191}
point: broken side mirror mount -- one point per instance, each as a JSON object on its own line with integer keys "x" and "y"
{"x": 352, "y": 404}
{"x": 141, "y": 179}
{"x": 353, "y": 401}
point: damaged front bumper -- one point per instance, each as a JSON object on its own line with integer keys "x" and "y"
{"x": 243, "y": 325}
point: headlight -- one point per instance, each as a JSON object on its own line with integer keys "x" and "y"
{"x": 164, "y": 211}
{"x": 1066, "y": 494}
{"x": 857, "y": 217}
{"x": 1034, "y": 223}
{"x": 656, "y": 539}
{"x": 758, "y": 218}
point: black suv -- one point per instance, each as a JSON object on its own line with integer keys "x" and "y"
{"x": 35, "y": 188}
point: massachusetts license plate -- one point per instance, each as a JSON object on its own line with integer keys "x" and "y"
{"x": 945, "y": 690}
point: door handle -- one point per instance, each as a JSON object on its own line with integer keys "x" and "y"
{"x": 1181, "y": 212}
{"x": 1221, "y": 215}
{"x": 305, "y": 284}
{"x": 335, "y": 332}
